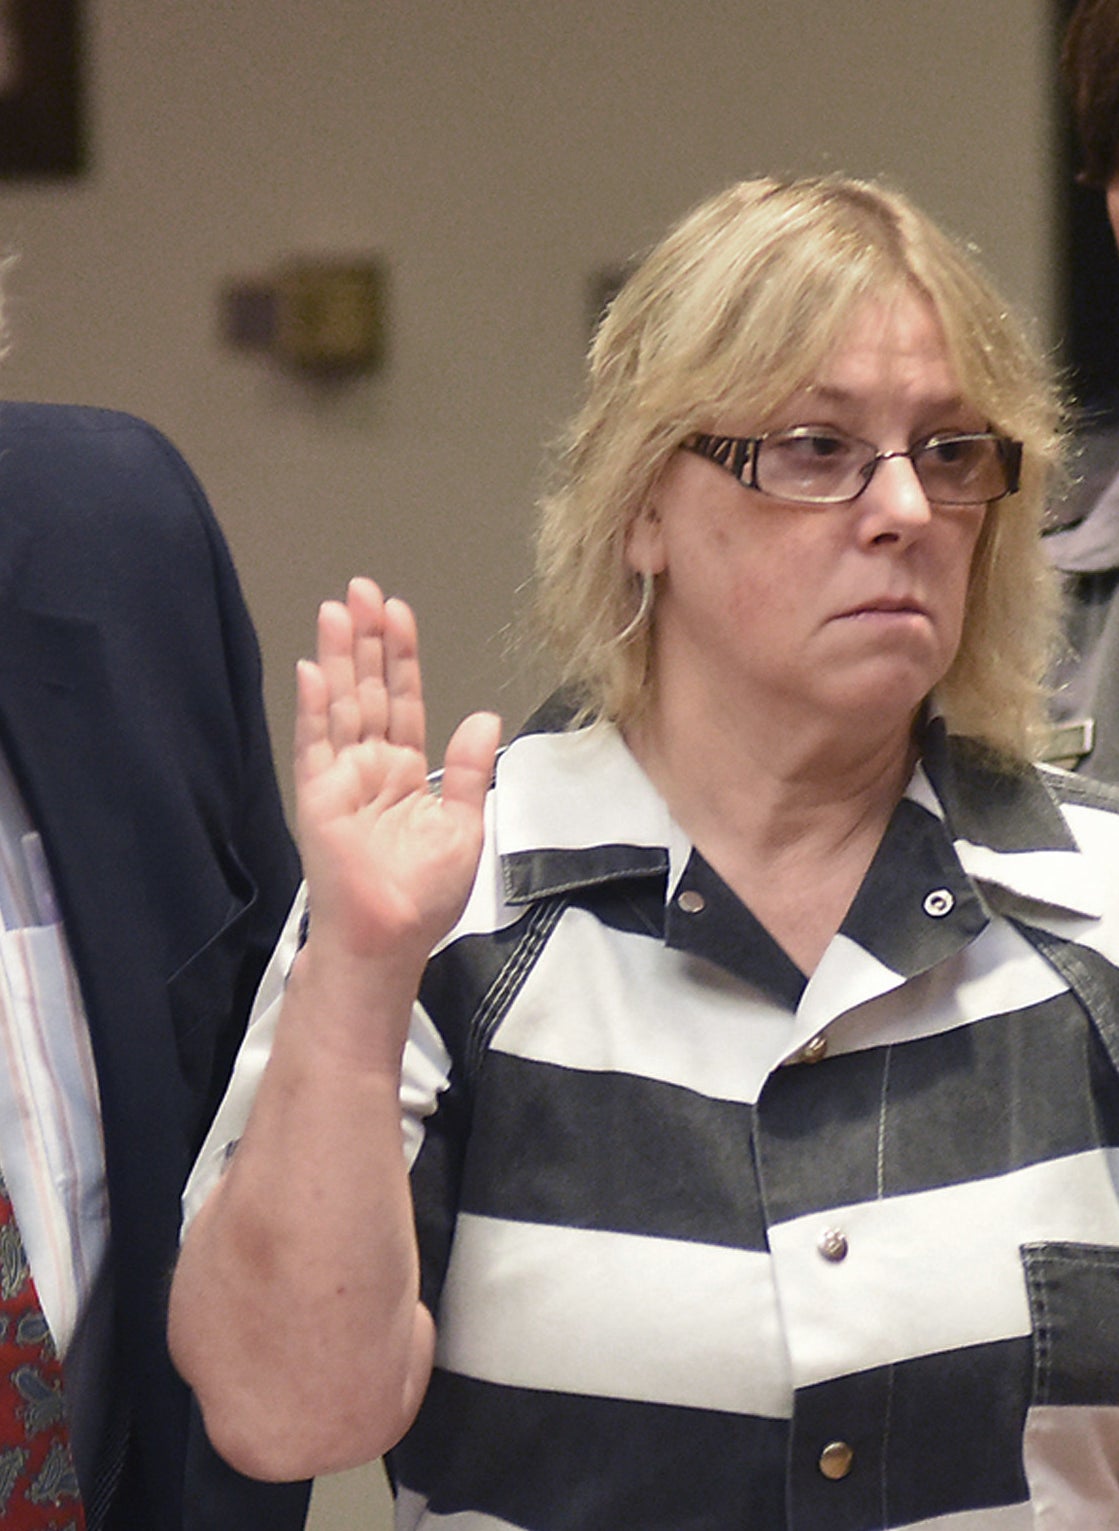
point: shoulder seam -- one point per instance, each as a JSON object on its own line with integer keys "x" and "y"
{"x": 495, "y": 1003}
{"x": 1083, "y": 791}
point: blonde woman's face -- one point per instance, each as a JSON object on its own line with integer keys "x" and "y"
{"x": 853, "y": 610}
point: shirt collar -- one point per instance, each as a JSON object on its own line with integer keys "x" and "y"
{"x": 574, "y": 810}
{"x": 1007, "y": 825}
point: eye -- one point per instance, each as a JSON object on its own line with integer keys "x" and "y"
{"x": 952, "y": 451}
{"x": 811, "y": 444}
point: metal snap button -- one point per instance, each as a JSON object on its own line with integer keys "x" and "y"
{"x": 833, "y": 1245}
{"x": 835, "y": 1460}
{"x": 691, "y": 901}
{"x": 939, "y": 902}
{"x": 813, "y": 1051}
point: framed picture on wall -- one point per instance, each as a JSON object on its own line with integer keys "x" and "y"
{"x": 41, "y": 116}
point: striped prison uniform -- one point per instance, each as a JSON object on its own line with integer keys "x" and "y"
{"x": 711, "y": 1245}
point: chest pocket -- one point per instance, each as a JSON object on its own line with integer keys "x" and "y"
{"x": 1074, "y": 1314}
{"x": 1071, "y": 1443}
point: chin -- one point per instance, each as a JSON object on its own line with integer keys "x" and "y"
{"x": 885, "y": 701}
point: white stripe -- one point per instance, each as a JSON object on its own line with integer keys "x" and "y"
{"x": 544, "y": 800}
{"x": 486, "y": 909}
{"x": 412, "y": 1514}
{"x": 424, "y": 1076}
{"x": 1098, "y": 831}
{"x": 996, "y": 974}
{"x": 233, "y": 1113}
{"x": 933, "y": 1271}
{"x": 1080, "y": 882}
{"x": 625, "y": 1003}
{"x": 613, "y": 1316}
{"x": 1064, "y": 878}
{"x": 920, "y": 791}
{"x": 621, "y": 1006}
{"x": 846, "y": 977}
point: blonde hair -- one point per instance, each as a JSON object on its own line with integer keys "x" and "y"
{"x": 732, "y": 313}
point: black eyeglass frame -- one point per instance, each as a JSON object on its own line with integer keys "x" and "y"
{"x": 738, "y": 453}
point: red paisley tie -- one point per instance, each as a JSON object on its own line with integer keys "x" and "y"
{"x": 38, "y": 1485}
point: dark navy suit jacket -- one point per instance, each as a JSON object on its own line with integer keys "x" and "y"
{"x": 131, "y": 713}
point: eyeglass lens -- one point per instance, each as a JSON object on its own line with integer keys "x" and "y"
{"x": 811, "y": 465}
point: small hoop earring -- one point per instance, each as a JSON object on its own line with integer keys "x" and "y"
{"x": 644, "y": 608}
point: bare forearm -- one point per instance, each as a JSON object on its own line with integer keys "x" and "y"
{"x": 294, "y": 1310}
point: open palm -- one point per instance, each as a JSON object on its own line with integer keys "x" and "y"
{"x": 389, "y": 863}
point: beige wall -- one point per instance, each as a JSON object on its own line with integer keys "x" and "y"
{"x": 496, "y": 152}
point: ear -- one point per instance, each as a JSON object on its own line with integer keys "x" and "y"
{"x": 645, "y": 551}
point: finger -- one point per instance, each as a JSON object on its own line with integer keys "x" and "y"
{"x": 335, "y": 654}
{"x": 468, "y": 763}
{"x": 313, "y": 751}
{"x": 406, "y": 720}
{"x": 367, "y": 615}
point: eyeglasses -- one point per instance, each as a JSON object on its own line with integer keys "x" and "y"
{"x": 815, "y": 465}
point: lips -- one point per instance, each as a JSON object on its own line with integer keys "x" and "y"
{"x": 887, "y": 606}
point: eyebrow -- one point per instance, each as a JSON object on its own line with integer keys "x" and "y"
{"x": 833, "y": 395}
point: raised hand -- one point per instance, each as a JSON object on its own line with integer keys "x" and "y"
{"x": 389, "y": 864}
{"x": 314, "y": 1215}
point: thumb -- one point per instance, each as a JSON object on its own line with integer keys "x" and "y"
{"x": 468, "y": 762}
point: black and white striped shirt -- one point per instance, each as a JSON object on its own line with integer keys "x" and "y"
{"x": 711, "y": 1245}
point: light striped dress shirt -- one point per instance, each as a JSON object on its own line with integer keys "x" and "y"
{"x": 51, "y": 1147}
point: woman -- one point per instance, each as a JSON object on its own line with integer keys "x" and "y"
{"x": 758, "y": 1096}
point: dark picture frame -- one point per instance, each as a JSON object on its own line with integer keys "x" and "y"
{"x": 41, "y": 89}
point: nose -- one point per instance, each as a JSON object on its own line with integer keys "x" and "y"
{"x": 894, "y": 505}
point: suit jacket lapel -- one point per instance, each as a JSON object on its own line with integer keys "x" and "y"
{"x": 58, "y": 728}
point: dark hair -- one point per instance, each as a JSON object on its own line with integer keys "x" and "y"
{"x": 1090, "y": 66}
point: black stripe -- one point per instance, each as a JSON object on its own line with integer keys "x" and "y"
{"x": 935, "y": 1436}
{"x": 635, "y": 908}
{"x": 725, "y": 932}
{"x": 939, "y": 1435}
{"x": 987, "y": 803}
{"x": 457, "y": 980}
{"x": 887, "y": 918}
{"x": 540, "y": 873}
{"x": 983, "y": 1100}
{"x": 459, "y": 985}
{"x": 556, "y": 1462}
{"x": 435, "y": 1187}
{"x": 536, "y": 932}
{"x": 583, "y": 1149}
{"x": 1091, "y": 977}
{"x": 1070, "y": 787}
{"x": 1074, "y": 1307}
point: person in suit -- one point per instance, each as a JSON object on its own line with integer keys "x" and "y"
{"x": 1083, "y": 542}
{"x": 143, "y": 852}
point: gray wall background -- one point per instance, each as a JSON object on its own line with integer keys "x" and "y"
{"x": 496, "y": 154}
